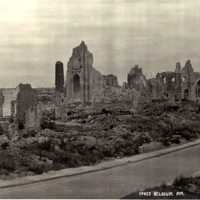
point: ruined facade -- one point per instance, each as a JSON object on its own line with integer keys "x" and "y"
{"x": 84, "y": 84}
{"x": 136, "y": 79}
{"x": 170, "y": 85}
{"x": 181, "y": 84}
{"x": 111, "y": 80}
{"x": 9, "y": 94}
{"x": 26, "y": 107}
{"x": 156, "y": 88}
{"x": 83, "y": 81}
{"x": 190, "y": 82}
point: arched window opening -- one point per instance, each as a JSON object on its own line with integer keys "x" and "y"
{"x": 76, "y": 83}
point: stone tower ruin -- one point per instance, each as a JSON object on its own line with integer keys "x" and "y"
{"x": 178, "y": 82}
{"x": 79, "y": 69}
{"x": 59, "y": 79}
{"x": 187, "y": 73}
{"x": 136, "y": 78}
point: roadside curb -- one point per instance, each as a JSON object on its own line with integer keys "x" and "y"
{"x": 69, "y": 172}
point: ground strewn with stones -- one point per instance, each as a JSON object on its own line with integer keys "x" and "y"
{"x": 93, "y": 137}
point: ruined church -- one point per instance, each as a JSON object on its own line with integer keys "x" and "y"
{"x": 84, "y": 84}
{"x": 180, "y": 84}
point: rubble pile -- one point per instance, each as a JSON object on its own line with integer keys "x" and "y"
{"x": 98, "y": 136}
{"x": 173, "y": 122}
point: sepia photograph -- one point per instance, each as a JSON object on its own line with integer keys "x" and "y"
{"x": 99, "y": 99}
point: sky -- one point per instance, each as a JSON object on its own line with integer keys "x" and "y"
{"x": 155, "y": 34}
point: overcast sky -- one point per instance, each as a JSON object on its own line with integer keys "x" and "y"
{"x": 155, "y": 34}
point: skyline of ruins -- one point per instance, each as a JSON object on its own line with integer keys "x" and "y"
{"x": 153, "y": 34}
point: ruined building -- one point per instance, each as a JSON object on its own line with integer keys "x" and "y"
{"x": 59, "y": 77}
{"x": 83, "y": 81}
{"x": 188, "y": 80}
{"x": 26, "y": 107}
{"x": 29, "y": 104}
{"x": 9, "y": 94}
{"x": 111, "y": 80}
{"x": 170, "y": 85}
{"x": 85, "y": 84}
{"x": 181, "y": 84}
{"x": 136, "y": 79}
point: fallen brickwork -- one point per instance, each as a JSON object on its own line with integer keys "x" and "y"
{"x": 91, "y": 138}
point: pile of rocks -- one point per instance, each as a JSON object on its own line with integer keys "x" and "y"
{"x": 106, "y": 135}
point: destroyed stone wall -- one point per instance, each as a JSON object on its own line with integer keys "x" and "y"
{"x": 10, "y": 97}
{"x": 86, "y": 85}
{"x": 168, "y": 80}
{"x": 187, "y": 80}
{"x": 78, "y": 87}
{"x": 190, "y": 82}
{"x": 10, "y": 94}
{"x": 136, "y": 79}
{"x": 169, "y": 84}
{"x": 97, "y": 85}
{"x": 111, "y": 80}
{"x": 26, "y": 103}
{"x": 156, "y": 88}
{"x": 45, "y": 91}
{"x": 182, "y": 84}
{"x": 32, "y": 117}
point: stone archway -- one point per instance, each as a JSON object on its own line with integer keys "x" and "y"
{"x": 76, "y": 83}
